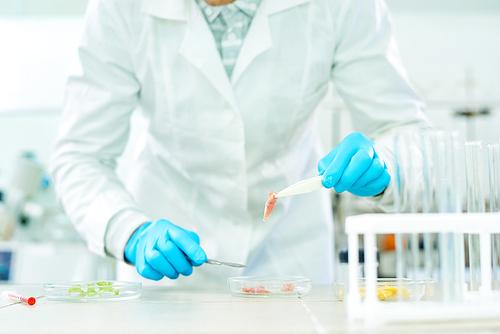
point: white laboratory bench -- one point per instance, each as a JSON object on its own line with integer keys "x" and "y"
{"x": 207, "y": 310}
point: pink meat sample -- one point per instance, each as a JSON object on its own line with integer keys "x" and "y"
{"x": 288, "y": 287}
{"x": 271, "y": 202}
{"x": 257, "y": 289}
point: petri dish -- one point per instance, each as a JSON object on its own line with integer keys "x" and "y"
{"x": 92, "y": 291}
{"x": 269, "y": 286}
{"x": 388, "y": 289}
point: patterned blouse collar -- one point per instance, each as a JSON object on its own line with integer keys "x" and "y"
{"x": 249, "y": 7}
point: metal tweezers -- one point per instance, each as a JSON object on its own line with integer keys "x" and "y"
{"x": 229, "y": 264}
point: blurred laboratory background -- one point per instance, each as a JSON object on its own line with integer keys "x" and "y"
{"x": 450, "y": 48}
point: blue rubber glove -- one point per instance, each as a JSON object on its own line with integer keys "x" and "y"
{"x": 161, "y": 249}
{"x": 354, "y": 165}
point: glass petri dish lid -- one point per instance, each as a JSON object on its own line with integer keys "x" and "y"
{"x": 269, "y": 286}
{"x": 388, "y": 289}
{"x": 92, "y": 291}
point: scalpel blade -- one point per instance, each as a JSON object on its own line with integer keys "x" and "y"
{"x": 229, "y": 264}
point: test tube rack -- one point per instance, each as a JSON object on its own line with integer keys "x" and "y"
{"x": 482, "y": 304}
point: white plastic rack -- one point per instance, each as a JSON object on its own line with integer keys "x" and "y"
{"x": 435, "y": 305}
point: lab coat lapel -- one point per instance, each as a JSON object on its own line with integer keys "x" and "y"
{"x": 166, "y": 9}
{"x": 198, "y": 46}
{"x": 200, "y": 49}
{"x": 258, "y": 38}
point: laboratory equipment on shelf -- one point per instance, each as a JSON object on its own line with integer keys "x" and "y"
{"x": 20, "y": 197}
{"x": 7, "y": 221}
{"x": 28, "y": 174}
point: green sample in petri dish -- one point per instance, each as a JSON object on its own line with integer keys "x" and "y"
{"x": 92, "y": 291}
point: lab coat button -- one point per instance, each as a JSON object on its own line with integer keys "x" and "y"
{"x": 230, "y": 6}
{"x": 209, "y": 11}
{"x": 252, "y": 6}
{"x": 231, "y": 37}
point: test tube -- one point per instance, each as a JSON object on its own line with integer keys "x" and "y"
{"x": 453, "y": 193}
{"x": 413, "y": 143}
{"x": 408, "y": 158}
{"x": 494, "y": 178}
{"x": 428, "y": 198}
{"x": 400, "y": 201}
{"x": 442, "y": 194}
{"x": 435, "y": 168}
{"x": 475, "y": 203}
{"x": 438, "y": 186}
{"x": 456, "y": 172}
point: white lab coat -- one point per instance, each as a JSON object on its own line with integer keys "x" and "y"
{"x": 216, "y": 145}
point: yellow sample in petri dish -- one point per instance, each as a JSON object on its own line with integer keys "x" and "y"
{"x": 388, "y": 289}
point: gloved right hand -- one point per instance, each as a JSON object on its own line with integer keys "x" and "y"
{"x": 161, "y": 249}
{"x": 355, "y": 166}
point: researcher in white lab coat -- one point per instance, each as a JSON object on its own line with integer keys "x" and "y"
{"x": 230, "y": 107}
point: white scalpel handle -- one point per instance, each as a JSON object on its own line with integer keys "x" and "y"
{"x": 302, "y": 187}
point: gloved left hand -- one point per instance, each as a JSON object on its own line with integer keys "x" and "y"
{"x": 161, "y": 249}
{"x": 354, "y": 165}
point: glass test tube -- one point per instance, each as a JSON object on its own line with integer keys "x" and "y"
{"x": 456, "y": 172}
{"x": 442, "y": 194}
{"x": 428, "y": 199}
{"x": 453, "y": 197}
{"x": 413, "y": 143}
{"x": 408, "y": 155}
{"x": 399, "y": 198}
{"x": 413, "y": 159}
{"x": 475, "y": 203}
{"x": 494, "y": 181}
{"x": 400, "y": 202}
{"x": 435, "y": 155}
